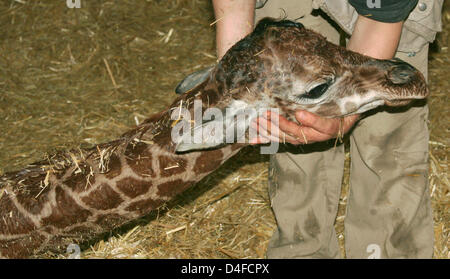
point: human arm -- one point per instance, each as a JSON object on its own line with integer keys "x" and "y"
{"x": 234, "y": 20}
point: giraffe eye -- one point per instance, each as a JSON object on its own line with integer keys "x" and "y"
{"x": 317, "y": 91}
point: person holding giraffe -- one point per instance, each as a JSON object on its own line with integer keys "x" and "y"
{"x": 388, "y": 211}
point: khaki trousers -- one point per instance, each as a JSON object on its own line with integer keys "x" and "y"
{"x": 388, "y": 208}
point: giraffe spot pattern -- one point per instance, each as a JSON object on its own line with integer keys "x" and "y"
{"x": 36, "y": 204}
{"x": 144, "y": 206}
{"x": 66, "y": 212}
{"x": 139, "y": 159}
{"x": 103, "y": 197}
{"x": 171, "y": 165}
{"x": 80, "y": 180}
{"x": 14, "y": 222}
{"x": 114, "y": 167}
{"x": 133, "y": 187}
{"x": 173, "y": 188}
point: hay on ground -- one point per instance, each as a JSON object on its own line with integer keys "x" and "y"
{"x": 71, "y": 77}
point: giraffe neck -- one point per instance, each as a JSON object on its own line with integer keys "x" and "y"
{"x": 75, "y": 196}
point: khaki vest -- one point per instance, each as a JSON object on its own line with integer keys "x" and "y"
{"x": 419, "y": 29}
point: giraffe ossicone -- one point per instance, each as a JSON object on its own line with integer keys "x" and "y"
{"x": 76, "y": 195}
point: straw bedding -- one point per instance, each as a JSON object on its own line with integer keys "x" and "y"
{"x": 71, "y": 77}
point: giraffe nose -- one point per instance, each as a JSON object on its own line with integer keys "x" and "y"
{"x": 400, "y": 72}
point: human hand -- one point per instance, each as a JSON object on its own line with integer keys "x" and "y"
{"x": 313, "y": 128}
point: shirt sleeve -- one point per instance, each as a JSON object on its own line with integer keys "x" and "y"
{"x": 384, "y": 10}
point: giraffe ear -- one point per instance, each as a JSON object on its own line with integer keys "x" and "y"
{"x": 193, "y": 80}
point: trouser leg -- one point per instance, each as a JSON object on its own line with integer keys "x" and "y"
{"x": 305, "y": 187}
{"x": 304, "y": 190}
{"x": 388, "y": 210}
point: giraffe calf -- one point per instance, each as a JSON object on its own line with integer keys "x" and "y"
{"x": 74, "y": 196}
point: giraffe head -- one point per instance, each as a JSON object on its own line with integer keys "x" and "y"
{"x": 285, "y": 66}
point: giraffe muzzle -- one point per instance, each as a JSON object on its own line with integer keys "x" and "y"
{"x": 403, "y": 83}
